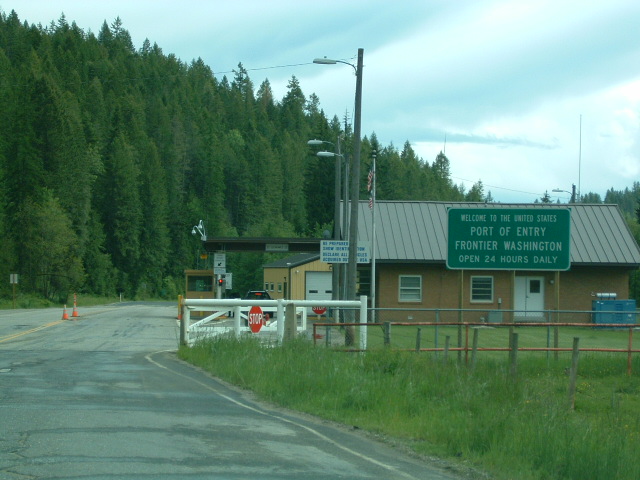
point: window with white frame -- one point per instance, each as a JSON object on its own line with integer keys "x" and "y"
{"x": 410, "y": 288}
{"x": 482, "y": 289}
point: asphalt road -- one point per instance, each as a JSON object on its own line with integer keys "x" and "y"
{"x": 103, "y": 396}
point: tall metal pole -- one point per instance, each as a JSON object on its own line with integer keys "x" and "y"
{"x": 335, "y": 272}
{"x": 352, "y": 265}
{"x": 345, "y": 227}
{"x": 352, "y": 270}
{"x": 373, "y": 241}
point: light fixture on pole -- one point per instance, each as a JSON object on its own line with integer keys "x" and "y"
{"x": 201, "y": 230}
{"x": 572, "y": 192}
{"x": 355, "y": 174}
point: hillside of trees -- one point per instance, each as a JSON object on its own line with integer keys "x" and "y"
{"x": 109, "y": 156}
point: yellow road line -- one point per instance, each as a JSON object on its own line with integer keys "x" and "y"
{"x": 27, "y": 332}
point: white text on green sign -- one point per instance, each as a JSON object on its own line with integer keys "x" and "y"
{"x": 509, "y": 238}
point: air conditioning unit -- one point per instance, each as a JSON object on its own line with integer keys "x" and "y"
{"x": 611, "y": 312}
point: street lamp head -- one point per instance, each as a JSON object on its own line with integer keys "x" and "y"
{"x": 316, "y": 142}
{"x": 199, "y": 229}
{"x": 325, "y": 61}
{"x": 331, "y": 61}
{"x": 327, "y": 154}
{"x": 557, "y": 190}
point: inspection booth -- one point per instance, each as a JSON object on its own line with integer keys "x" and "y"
{"x": 199, "y": 284}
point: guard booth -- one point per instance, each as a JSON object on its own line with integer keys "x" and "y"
{"x": 199, "y": 284}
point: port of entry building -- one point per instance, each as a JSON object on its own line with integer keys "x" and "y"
{"x": 411, "y": 241}
{"x": 411, "y": 272}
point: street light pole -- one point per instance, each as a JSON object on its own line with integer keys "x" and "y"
{"x": 352, "y": 265}
{"x": 335, "y": 287}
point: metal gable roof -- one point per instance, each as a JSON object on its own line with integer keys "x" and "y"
{"x": 293, "y": 261}
{"x": 409, "y": 232}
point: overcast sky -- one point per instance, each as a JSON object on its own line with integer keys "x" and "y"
{"x": 531, "y": 95}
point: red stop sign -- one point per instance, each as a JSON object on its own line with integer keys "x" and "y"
{"x": 255, "y": 319}
{"x": 319, "y": 310}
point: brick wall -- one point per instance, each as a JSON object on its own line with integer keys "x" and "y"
{"x": 442, "y": 288}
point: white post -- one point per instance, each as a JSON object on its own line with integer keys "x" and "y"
{"x": 363, "y": 321}
{"x": 237, "y": 321}
{"x": 303, "y": 320}
{"x": 186, "y": 320}
{"x": 280, "y": 320}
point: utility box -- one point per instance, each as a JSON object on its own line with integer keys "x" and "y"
{"x": 495, "y": 316}
{"x": 614, "y": 311}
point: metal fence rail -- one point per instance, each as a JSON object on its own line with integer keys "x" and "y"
{"x": 436, "y": 335}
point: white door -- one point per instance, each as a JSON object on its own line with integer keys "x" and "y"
{"x": 529, "y": 297}
{"x": 318, "y": 287}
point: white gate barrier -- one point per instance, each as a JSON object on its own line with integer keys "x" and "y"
{"x": 240, "y": 308}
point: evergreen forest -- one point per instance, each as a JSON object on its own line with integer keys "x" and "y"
{"x": 109, "y": 155}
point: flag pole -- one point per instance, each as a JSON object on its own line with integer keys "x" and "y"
{"x": 373, "y": 240}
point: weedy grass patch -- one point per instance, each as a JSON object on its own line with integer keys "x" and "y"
{"x": 520, "y": 427}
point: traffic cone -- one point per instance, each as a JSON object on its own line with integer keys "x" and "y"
{"x": 65, "y": 315}
{"x": 75, "y": 306}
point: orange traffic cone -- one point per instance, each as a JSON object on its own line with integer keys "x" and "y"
{"x": 75, "y": 306}
{"x": 65, "y": 315}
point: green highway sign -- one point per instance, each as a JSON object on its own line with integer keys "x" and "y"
{"x": 492, "y": 238}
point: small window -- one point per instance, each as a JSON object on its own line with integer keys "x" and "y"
{"x": 200, "y": 283}
{"x": 534, "y": 286}
{"x": 266, "y": 286}
{"x": 272, "y": 287}
{"x": 279, "y": 287}
{"x": 482, "y": 289}
{"x": 410, "y": 288}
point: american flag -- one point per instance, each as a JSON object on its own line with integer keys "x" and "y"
{"x": 371, "y": 202}
{"x": 370, "y": 180}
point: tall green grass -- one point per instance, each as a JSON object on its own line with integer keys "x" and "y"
{"x": 513, "y": 428}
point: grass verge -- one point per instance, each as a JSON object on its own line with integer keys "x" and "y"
{"x": 512, "y": 428}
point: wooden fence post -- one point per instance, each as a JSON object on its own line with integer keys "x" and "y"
{"x": 418, "y": 338}
{"x": 573, "y": 374}
{"x": 447, "y": 341}
{"x": 474, "y": 349}
{"x": 387, "y": 334}
{"x": 513, "y": 355}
